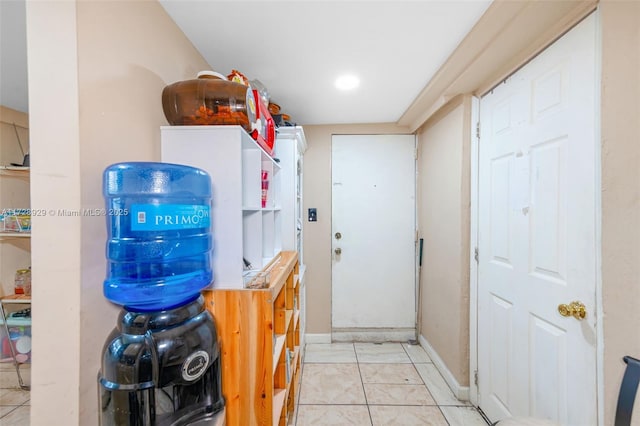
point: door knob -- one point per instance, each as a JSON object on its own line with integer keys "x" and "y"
{"x": 574, "y": 309}
{"x": 338, "y": 251}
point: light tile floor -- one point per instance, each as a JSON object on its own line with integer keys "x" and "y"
{"x": 377, "y": 384}
{"x": 342, "y": 384}
{"x": 14, "y": 402}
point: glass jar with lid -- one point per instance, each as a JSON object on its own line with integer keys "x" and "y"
{"x": 209, "y": 99}
{"x": 22, "y": 284}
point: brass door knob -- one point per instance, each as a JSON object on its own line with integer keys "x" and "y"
{"x": 338, "y": 251}
{"x": 574, "y": 309}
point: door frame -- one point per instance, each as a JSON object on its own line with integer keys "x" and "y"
{"x": 473, "y": 264}
{"x": 473, "y": 245}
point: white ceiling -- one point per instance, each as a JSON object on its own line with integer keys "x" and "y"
{"x": 13, "y": 55}
{"x": 298, "y": 48}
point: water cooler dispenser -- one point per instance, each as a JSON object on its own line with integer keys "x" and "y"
{"x": 161, "y": 364}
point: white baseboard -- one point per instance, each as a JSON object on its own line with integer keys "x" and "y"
{"x": 317, "y": 338}
{"x": 461, "y": 392}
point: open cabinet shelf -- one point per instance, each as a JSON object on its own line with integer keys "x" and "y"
{"x": 246, "y": 213}
{"x": 259, "y": 332}
{"x": 15, "y": 243}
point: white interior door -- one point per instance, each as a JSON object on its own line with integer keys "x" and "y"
{"x": 537, "y": 236}
{"x": 373, "y": 230}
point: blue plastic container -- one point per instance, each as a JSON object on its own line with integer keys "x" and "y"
{"x": 159, "y": 234}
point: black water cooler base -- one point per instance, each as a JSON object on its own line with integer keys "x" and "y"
{"x": 162, "y": 369}
{"x": 218, "y": 419}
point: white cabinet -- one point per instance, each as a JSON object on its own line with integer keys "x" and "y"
{"x": 289, "y": 149}
{"x": 245, "y": 231}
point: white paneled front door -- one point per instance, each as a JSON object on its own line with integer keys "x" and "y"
{"x": 537, "y": 236}
{"x": 373, "y": 234}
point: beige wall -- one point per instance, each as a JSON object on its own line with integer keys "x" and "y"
{"x": 55, "y": 243}
{"x": 620, "y": 122}
{"x": 317, "y": 235}
{"x": 105, "y": 88}
{"x": 443, "y": 223}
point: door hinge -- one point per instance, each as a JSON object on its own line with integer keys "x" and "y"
{"x": 478, "y": 130}
{"x": 475, "y": 377}
{"x": 475, "y": 254}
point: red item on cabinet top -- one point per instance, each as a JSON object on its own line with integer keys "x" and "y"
{"x": 264, "y": 129}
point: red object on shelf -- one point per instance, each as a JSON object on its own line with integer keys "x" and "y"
{"x": 265, "y": 133}
{"x": 265, "y": 189}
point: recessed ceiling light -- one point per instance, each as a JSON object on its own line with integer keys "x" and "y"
{"x": 347, "y": 82}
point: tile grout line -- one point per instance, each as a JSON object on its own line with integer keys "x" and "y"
{"x": 440, "y": 406}
{"x": 413, "y": 364}
{"x": 427, "y": 386}
{"x": 302, "y": 366}
{"x": 364, "y": 391}
{"x": 10, "y": 411}
{"x": 429, "y": 390}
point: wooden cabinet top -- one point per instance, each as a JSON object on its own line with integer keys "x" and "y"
{"x": 280, "y": 267}
{"x": 278, "y": 270}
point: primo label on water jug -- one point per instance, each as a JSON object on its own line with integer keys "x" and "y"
{"x": 166, "y": 217}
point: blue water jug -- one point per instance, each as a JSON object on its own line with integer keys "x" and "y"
{"x": 159, "y": 234}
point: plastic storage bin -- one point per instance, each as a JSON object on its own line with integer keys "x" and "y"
{"x": 11, "y": 222}
{"x": 19, "y": 337}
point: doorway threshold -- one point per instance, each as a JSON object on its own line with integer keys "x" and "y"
{"x": 372, "y": 335}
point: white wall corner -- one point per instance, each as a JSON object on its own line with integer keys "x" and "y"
{"x": 460, "y": 392}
